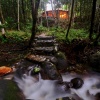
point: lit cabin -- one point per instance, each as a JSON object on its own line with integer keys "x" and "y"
{"x": 62, "y": 14}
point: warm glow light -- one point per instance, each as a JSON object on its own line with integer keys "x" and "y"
{"x": 62, "y": 15}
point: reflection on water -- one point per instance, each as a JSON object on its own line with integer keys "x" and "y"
{"x": 38, "y": 89}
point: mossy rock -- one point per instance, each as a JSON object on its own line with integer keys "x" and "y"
{"x": 60, "y": 55}
{"x": 61, "y": 61}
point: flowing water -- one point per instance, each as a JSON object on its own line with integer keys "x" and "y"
{"x": 35, "y": 88}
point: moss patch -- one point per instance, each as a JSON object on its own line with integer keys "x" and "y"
{"x": 12, "y": 92}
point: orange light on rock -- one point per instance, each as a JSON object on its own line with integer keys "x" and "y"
{"x": 5, "y": 70}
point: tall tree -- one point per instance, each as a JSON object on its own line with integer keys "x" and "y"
{"x": 46, "y": 15}
{"x": 35, "y": 6}
{"x": 98, "y": 24}
{"x": 18, "y": 15}
{"x": 23, "y": 11}
{"x": 92, "y": 19}
{"x": 53, "y": 12}
{"x": 72, "y": 8}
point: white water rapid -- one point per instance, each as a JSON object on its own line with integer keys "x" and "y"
{"x": 38, "y": 89}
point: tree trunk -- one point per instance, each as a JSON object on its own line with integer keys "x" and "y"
{"x": 69, "y": 11}
{"x": 18, "y": 15}
{"x": 92, "y": 19}
{"x": 96, "y": 40}
{"x": 35, "y": 6}
{"x": 46, "y": 16}
{"x": 58, "y": 14}
{"x": 23, "y": 11}
{"x": 98, "y": 36}
{"x": 53, "y": 12}
{"x": 41, "y": 20}
{"x": 72, "y": 8}
{"x": 2, "y": 21}
{"x": 80, "y": 11}
{"x": 14, "y": 11}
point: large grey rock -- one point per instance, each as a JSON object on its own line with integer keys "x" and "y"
{"x": 51, "y": 71}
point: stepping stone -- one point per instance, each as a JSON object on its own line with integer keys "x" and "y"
{"x": 46, "y": 44}
{"x": 44, "y": 48}
{"x": 44, "y": 41}
{"x": 44, "y": 38}
{"x": 36, "y": 58}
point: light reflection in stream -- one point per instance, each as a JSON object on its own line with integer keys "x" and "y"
{"x": 38, "y": 89}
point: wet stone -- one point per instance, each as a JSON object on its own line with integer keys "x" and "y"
{"x": 25, "y": 67}
{"x": 36, "y": 58}
{"x": 51, "y": 71}
{"x": 77, "y": 83}
{"x": 46, "y": 41}
{"x": 44, "y": 48}
{"x": 44, "y": 38}
{"x": 54, "y": 60}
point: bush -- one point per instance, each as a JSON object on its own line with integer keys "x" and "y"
{"x": 18, "y": 36}
{"x": 60, "y": 34}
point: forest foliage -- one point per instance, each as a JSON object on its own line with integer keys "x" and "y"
{"x": 17, "y": 15}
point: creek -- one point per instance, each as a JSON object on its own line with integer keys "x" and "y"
{"x": 35, "y": 88}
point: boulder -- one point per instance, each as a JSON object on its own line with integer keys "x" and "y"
{"x": 50, "y": 70}
{"x": 61, "y": 61}
{"x": 77, "y": 83}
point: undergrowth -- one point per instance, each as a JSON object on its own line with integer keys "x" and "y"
{"x": 15, "y": 36}
{"x": 58, "y": 32}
